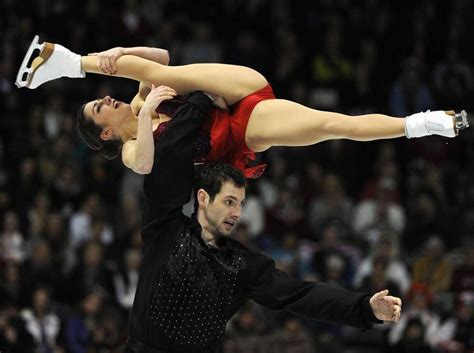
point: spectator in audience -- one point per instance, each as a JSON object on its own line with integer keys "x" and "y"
{"x": 81, "y": 325}
{"x": 41, "y": 267}
{"x": 379, "y": 279}
{"x": 38, "y": 212}
{"x": 419, "y": 324}
{"x": 41, "y": 322}
{"x": 385, "y": 249}
{"x": 80, "y": 226}
{"x": 374, "y": 216}
{"x": 413, "y": 339}
{"x": 91, "y": 272}
{"x": 14, "y": 337}
{"x": 410, "y": 92}
{"x": 332, "y": 206}
{"x": 463, "y": 276}
{"x": 452, "y": 78}
{"x": 126, "y": 280}
{"x": 456, "y": 333}
{"x": 12, "y": 242}
{"x": 253, "y": 215}
{"x": 333, "y": 259}
{"x": 433, "y": 268}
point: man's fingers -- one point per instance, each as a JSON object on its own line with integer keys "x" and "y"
{"x": 397, "y": 309}
{"x": 394, "y": 300}
{"x": 396, "y": 317}
{"x": 381, "y": 294}
{"x": 92, "y": 54}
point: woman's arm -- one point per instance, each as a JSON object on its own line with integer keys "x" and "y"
{"x": 138, "y": 154}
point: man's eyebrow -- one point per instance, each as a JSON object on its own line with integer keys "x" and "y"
{"x": 93, "y": 107}
{"x": 231, "y": 197}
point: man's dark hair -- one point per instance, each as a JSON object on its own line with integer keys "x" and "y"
{"x": 89, "y": 132}
{"x": 212, "y": 176}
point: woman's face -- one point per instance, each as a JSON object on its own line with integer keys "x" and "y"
{"x": 108, "y": 113}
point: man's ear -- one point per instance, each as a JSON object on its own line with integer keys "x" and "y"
{"x": 202, "y": 197}
{"x": 106, "y": 134}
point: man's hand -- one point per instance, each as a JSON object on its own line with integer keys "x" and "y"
{"x": 156, "y": 96}
{"x": 386, "y": 307}
{"x": 106, "y": 59}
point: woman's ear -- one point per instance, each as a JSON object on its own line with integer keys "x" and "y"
{"x": 203, "y": 197}
{"x": 106, "y": 134}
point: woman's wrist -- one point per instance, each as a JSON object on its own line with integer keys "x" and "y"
{"x": 145, "y": 111}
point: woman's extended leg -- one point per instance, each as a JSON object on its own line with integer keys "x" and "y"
{"x": 228, "y": 81}
{"x": 278, "y": 122}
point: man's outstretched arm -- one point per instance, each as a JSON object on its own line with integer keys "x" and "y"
{"x": 276, "y": 290}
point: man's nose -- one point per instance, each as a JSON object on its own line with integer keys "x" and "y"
{"x": 237, "y": 212}
{"x": 107, "y": 99}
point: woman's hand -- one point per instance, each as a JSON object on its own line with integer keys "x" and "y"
{"x": 156, "y": 96}
{"x": 386, "y": 307}
{"x": 106, "y": 59}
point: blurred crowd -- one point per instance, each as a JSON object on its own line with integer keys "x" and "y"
{"x": 396, "y": 214}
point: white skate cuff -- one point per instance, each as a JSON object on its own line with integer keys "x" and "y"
{"x": 415, "y": 125}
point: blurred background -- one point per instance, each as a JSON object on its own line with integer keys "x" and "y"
{"x": 395, "y": 214}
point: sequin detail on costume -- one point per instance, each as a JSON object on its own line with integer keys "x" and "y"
{"x": 202, "y": 145}
{"x": 193, "y": 292}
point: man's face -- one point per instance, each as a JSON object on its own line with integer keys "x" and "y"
{"x": 221, "y": 215}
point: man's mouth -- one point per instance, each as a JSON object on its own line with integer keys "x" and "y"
{"x": 230, "y": 224}
{"x": 116, "y": 104}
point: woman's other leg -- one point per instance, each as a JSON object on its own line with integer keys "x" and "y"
{"x": 280, "y": 122}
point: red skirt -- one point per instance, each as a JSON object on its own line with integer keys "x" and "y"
{"x": 227, "y": 132}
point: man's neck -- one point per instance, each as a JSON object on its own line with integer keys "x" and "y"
{"x": 208, "y": 238}
{"x": 206, "y": 235}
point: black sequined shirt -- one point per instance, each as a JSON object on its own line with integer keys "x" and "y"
{"x": 187, "y": 291}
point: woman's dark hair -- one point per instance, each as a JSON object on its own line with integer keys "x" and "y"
{"x": 90, "y": 134}
{"x": 213, "y": 175}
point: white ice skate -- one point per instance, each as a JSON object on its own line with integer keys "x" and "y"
{"x": 54, "y": 61}
{"x": 439, "y": 122}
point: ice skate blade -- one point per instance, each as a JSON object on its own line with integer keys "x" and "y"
{"x": 46, "y": 49}
{"x": 460, "y": 121}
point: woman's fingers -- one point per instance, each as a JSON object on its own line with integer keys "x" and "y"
{"x": 108, "y": 64}
{"x": 163, "y": 90}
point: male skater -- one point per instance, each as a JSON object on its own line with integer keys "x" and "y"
{"x": 194, "y": 277}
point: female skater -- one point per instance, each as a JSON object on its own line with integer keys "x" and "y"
{"x": 255, "y": 120}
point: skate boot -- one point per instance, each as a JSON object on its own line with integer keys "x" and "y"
{"x": 439, "y": 122}
{"x": 54, "y": 61}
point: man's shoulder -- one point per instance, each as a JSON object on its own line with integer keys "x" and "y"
{"x": 158, "y": 229}
{"x": 235, "y": 244}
